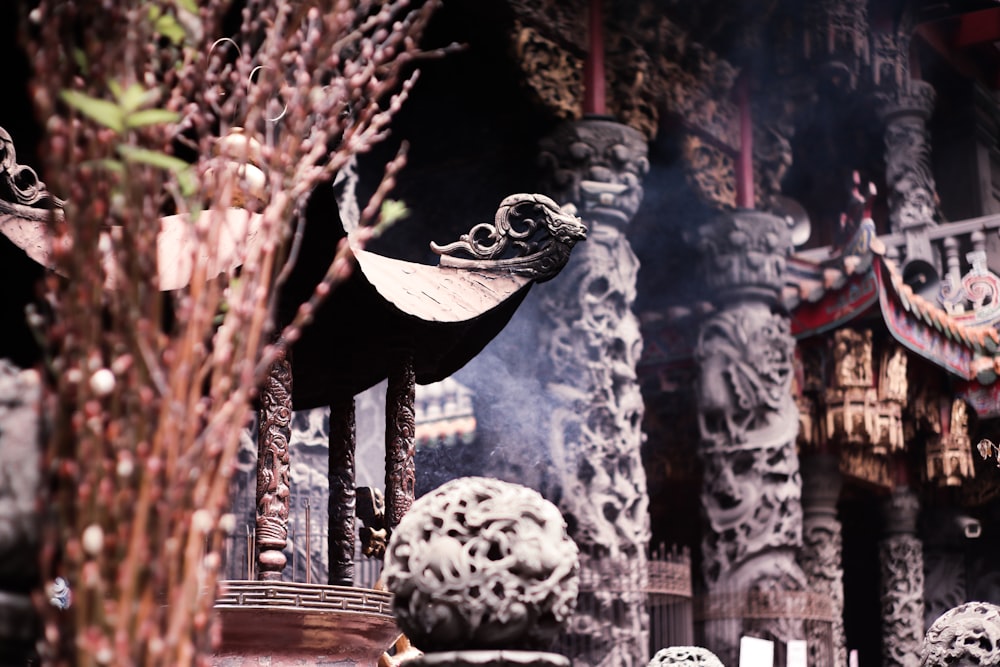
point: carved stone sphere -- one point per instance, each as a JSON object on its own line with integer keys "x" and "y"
{"x": 965, "y": 636}
{"x": 482, "y": 564}
{"x": 693, "y": 656}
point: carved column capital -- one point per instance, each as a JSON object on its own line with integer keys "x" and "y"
{"x": 916, "y": 99}
{"x": 743, "y": 253}
{"x": 597, "y": 165}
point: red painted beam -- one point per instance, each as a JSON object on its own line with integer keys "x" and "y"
{"x": 979, "y": 27}
{"x": 593, "y": 67}
{"x": 744, "y": 160}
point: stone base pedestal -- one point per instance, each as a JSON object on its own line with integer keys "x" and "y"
{"x": 286, "y": 624}
{"x": 490, "y": 659}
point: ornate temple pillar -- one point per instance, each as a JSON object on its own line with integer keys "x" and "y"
{"x": 821, "y": 555}
{"x": 912, "y": 194}
{"x": 274, "y": 419}
{"x": 748, "y": 420}
{"x": 590, "y": 345}
{"x": 902, "y": 581}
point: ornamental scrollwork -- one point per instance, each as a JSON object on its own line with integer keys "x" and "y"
{"x": 531, "y": 235}
{"x": 21, "y": 191}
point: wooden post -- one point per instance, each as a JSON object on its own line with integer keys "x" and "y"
{"x": 274, "y": 419}
{"x": 342, "y": 494}
{"x": 400, "y": 431}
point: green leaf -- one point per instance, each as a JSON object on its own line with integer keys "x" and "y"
{"x": 153, "y": 158}
{"x": 151, "y": 117}
{"x": 132, "y": 98}
{"x": 116, "y": 166}
{"x": 80, "y": 58}
{"x": 167, "y": 25}
{"x": 187, "y": 182}
{"x": 106, "y": 113}
{"x": 392, "y": 210}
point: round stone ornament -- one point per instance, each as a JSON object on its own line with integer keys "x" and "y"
{"x": 482, "y": 564}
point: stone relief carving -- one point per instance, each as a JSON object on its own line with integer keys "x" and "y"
{"x": 944, "y": 582}
{"x": 710, "y": 171}
{"x": 912, "y": 192}
{"x": 902, "y": 581}
{"x": 274, "y": 419}
{"x": 693, "y": 656}
{"x": 530, "y": 236}
{"x": 745, "y": 354}
{"x": 481, "y": 564}
{"x": 964, "y": 636}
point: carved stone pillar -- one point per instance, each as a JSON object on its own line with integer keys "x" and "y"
{"x": 20, "y": 484}
{"x": 911, "y": 190}
{"x": 343, "y": 498}
{"x": 902, "y": 562}
{"x": 748, "y": 422}
{"x": 821, "y": 553}
{"x": 590, "y": 344}
{"x": 274, "y": 418}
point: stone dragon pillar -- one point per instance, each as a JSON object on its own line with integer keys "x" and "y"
{"x": 590, "y": 343}
{"x": 748, "y": 420}
{"x": 902, "y": 580}
{"x": 821, "y": 555}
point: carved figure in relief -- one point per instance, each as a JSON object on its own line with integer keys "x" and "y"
{"x": 852, "y": 354}
{"x": 894, "y": 385}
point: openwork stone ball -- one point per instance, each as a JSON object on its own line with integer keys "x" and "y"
{"x": 692, "y": 656}
{"x": 964, "y": 636}
{"x": 482, "y": 564}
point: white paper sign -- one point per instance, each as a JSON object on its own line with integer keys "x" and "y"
{"x": 796, "y": 656}
{"x": 755, "y": 652}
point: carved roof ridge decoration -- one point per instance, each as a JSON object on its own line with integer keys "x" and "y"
{"x": 507, "y": 245}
